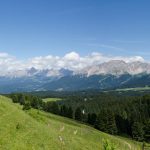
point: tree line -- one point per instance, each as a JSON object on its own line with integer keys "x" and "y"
{"x": 129, "y": 116}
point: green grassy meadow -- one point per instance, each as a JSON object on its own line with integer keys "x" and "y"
{"x": 51, "y": 99}
{"x": 37, "y": 130}
{"x": 134, "y": 89}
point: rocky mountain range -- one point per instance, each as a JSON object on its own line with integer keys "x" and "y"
{"x": 108, "y": 75}
{"x": 117, "y": 67}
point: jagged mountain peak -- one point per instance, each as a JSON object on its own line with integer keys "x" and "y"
{"x": 113, "y": 67}
{"x": 32, "y": 71}
{"x": 117, "y": 67}
{"x": 115, "y": 62}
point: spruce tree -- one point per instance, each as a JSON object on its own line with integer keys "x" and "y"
{"x": 111, "y": 123}
{"x": 78, "y": 114}
{"x": 70, "y": 112}
{"x": 138, "y": 131}
{"x": 64, "y": 111}
{"x": 101, "y": 122}
{"x": 147, "y": 131}
{"x": 92, "y": 118}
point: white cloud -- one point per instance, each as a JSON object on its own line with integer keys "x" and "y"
{"x": 10, "y": 65}
{"x": 72, "y": 56}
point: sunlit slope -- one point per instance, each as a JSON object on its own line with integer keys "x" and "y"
{"x": 51, "y": 99}
{"x": 38, "y": 130}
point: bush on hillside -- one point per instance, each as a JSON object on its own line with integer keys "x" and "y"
{"x": 107, "y": 145}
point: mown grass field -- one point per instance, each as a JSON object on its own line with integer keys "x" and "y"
{"x": 37, "y": 130}
{"x": 51, "y": 99}
{"x": 134, "y": 89}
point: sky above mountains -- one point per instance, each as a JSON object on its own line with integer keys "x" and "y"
{"x": 33, "y": 30}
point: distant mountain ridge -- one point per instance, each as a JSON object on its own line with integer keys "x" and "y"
{"x": 117, "y": 67}
{"x": 114, "y": 67}
{"x": 108, "y": 75}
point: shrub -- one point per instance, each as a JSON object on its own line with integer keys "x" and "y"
{"x": 26, "y": 106}
{"x": 107, "y": 145}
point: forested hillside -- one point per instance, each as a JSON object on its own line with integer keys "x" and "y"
{"x": 123, "y": 115}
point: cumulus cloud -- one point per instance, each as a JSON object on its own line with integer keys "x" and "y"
{"x": 73, "y": 56}
{"x": 73, "y": 61}
{"x": 9, "y": 63}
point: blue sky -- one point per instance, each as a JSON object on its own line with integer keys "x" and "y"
{"x": 30, "y": 28}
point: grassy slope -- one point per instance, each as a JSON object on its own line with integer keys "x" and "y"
{"x": 38, "y": 130}
{"x": 134, "y": 89}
